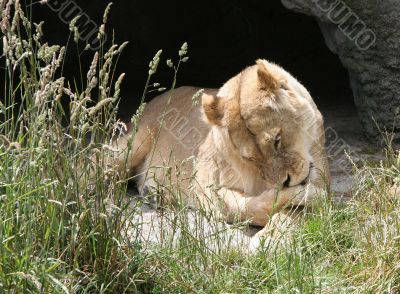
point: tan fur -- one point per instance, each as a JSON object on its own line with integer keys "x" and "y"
{"x": 247, "y": 140}
{"x": 213, "y": 109}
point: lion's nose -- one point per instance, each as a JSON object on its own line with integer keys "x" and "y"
{"x": 307, "y": 178}
{"x": 286, "y": 183}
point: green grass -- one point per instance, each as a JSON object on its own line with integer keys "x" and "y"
{"x": 66, "y": 227}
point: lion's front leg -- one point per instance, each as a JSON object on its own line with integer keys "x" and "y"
{"x": 278, "y": 229}
{"x": 256, "y": 209}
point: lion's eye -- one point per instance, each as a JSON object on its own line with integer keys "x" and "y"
{"x": 252, "y": 159}
{"x": 251, "y": 133}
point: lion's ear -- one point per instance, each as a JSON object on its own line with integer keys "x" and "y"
{"x": 265, "y": 78}
{"x": 213, "y": 109}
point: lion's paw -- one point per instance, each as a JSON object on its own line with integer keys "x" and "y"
{"x": 276, "y": 232}
{"x": 308, "y": 195}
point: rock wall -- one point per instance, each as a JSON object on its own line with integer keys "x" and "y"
{"x": 366, "y": 36}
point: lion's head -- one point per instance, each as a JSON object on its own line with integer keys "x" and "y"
{"x": 270, "y": 121}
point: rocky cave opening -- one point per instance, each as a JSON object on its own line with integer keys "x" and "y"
{"x": 223, "y": 36}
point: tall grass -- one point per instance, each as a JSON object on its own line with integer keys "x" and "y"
{"x": 62, "y": 208}
{"x": 67, "y": 225}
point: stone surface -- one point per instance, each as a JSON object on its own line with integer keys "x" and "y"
{"x": 346, "y": 147}
{"x": 373, "y": 65}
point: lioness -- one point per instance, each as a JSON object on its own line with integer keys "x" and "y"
{"x": 257, "y": 145}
